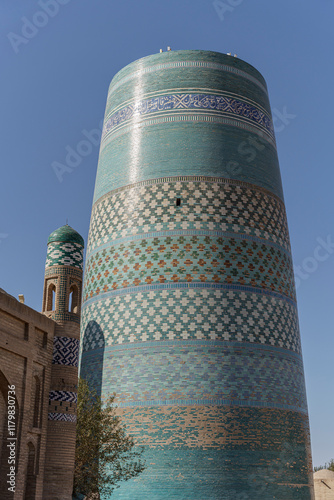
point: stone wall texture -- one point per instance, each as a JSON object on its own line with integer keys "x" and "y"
{"x": 189, "y": 307}
{"x": 324, "y": 484}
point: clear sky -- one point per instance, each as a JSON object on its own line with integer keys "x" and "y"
{"x": 53, "y": 87}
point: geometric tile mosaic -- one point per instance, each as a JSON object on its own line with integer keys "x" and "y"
{"x": 184, "y": 314}
{"x": 65, "y": 351}
{"x": 64, "y": 254}
{"x": 148, "y": 207}
{"x": 62, "y": 417}
{"x": 71, "y": 397}
{"x": 184, "y": 258}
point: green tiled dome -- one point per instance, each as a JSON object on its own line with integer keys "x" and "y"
{"x": 67, "y": 234}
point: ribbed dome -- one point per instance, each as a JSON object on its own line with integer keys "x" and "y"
{"x": 66, "y": 234}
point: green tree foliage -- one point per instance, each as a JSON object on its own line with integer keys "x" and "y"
{"x": 329, "y": 466}
{"x": 105, "y": 454}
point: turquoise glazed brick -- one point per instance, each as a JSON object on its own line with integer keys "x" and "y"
{"x": 189, "y": 309}
{"x": 66, "y": 234}
{"x": 65, "y": 248}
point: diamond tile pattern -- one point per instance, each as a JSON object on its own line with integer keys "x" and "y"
{"x": 65, "y": 351}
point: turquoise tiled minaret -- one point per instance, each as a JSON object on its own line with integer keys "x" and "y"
{"x": 62, "y": 303}
{"x": 189, "y": 308}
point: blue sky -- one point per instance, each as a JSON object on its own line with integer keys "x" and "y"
{"x": 54, "y": 87}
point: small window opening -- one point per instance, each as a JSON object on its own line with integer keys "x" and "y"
{"x": 73, "y": 300}
{"x": 51, "y": 298}
{"x": 178, "y": 202}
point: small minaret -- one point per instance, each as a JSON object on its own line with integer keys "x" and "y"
{"x": 62, "y": 302}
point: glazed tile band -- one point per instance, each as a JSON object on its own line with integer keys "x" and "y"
{"x": 174, "y": 102}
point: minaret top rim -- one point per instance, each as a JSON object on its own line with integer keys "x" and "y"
{"x": 195, "y": 55}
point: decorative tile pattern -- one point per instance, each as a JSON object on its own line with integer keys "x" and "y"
{"x": 210, "y": 205}
{"x": 62, "y": 417}
{"x": 172, "y": 102}
{"x": 185, "y": 314}
{"x": 64, "y": 254}
{"x": 71, "y": 397}
{"x": 200, "y": 374}
{"x": 74, "y": 273}
{"x": 189, "y": 259}
{"x": 65, "y": 351}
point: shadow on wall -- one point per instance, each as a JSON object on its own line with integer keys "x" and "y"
{"x": 93, "y": 346}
